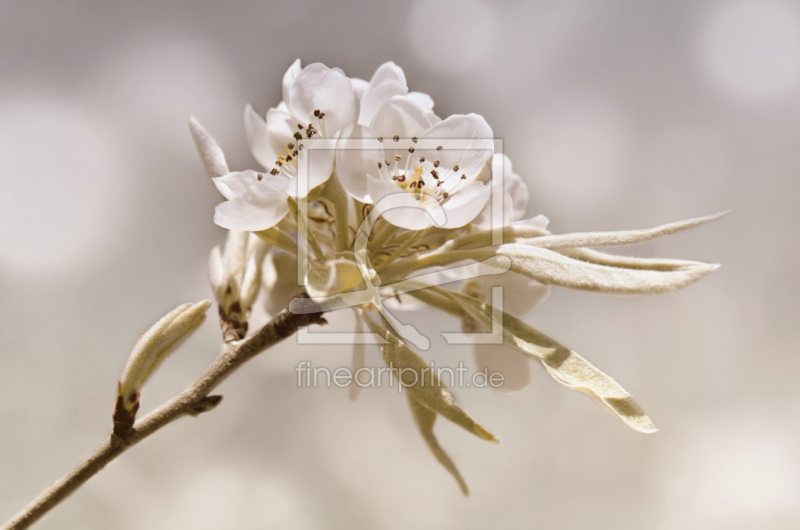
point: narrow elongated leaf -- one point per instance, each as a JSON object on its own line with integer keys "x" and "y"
{"x": 553, "y": 268}
{"x": 425, "y": 418}
{"x": 625, "y": 237}
{"x": 563, "y": 364}
{"x": 359, "y": 360}
{"x": 422, "y": 382}
{"x": 624, "y": 262}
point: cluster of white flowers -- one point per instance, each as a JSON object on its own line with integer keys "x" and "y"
{"x": 333, "y": 151}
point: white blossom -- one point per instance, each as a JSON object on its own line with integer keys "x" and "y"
{"x": 417, "y": 157}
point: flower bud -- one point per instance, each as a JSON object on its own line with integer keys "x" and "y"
{"x": 149, "y": 352}
{"x": 235, "y": 277}
{"x": 210, "y": 152}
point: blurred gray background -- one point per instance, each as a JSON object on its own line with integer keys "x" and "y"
{"x": 621, "y": 114}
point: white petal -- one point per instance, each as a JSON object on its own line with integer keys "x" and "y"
{"x": 388, "y": 72}
{"x": 289, "y": 78}
{"x": 466, "y": 204}
{"x": 328, "y": 90}
{"x": 314, "y": 167}
{"x": 484, "y": 219}
{"x": 360, "y": 86}
{"x": 400, "y": 116}
{"x": 236, "y": 183}
{"x": 423, "y": 100}
{"x": 354, "y": 163}
{"x": 521, "y": 294}
{"x": 268, "y": 139}
{"x": 499, "y": 358}
{"x": 376, "y": 96}
{"x": 261, "y": 206}
{"x": 513, "y": 184}
{"x": 540, "y": 222}
{"x": 407, "y": 211}
{"x": 470, "y": 160}
{"x": 434, "y": 119}
{"x": 210, "y": 152}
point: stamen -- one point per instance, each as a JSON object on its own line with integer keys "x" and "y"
{"x": 421, "y": 159}
{"x": 439, "y": 148}
{"x": 290, "y": 145}
{"x": 398, "y": 158}
{"x": 455, "y": 168}
{"x": 435, "y": 174}
{"x": 274, "y": 171}
{"x": 435, "y": 163}
{"x": 463, "y": 177}
{"x": 260, "y": 176}
{"x": 387, "y": 163}
{"x": 299, "y": 126}
{"x": 298, "y": 136}
{"x": 410, "y": 149}
{"x": 380, "y": 139}
{"x": 401, "y": 178}
{"x": 396, "y": 137}
{"x": 414, "y": 139}
{"x": 445, "y": 195}
{"x": 316, "y": 113}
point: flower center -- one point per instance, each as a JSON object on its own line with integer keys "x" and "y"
{"x": 286, "y": 164}
{"x": 418, "y": 175}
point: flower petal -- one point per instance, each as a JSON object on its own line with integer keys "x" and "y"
{"x": 400, "y": 116}
{"x": 268, "y": 138}
{"x": 540, "y": 222}
{"x": 235, "y": 183}
{"x": 469, "y": 160}
{"x": 376, "y": 96}
{"x": 499, "y": 358}
{"x": 261, "y": 206}
{"x": 360, "y": 86}
{"x": 407, "y": 212}
{"x": 423, "y": 100}
{"x": 314, "y": 166}
{"x": 466, "y": 204}
{"x": 327, "y": 90}
{"x": 289, "y": 78}
{"x": 388, "y": 71}
{"x": 513, "y": 184}
{"x": 521, "y": 295}
{"x": 354, "y": 161}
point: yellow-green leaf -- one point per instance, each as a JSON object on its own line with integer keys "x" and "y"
{"x": 563, "y": 364}
{"x": 425, "y": 418}
{"x": 422, "y": 382}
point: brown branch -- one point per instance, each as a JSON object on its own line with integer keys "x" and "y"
{"x": 191, "y": 402}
